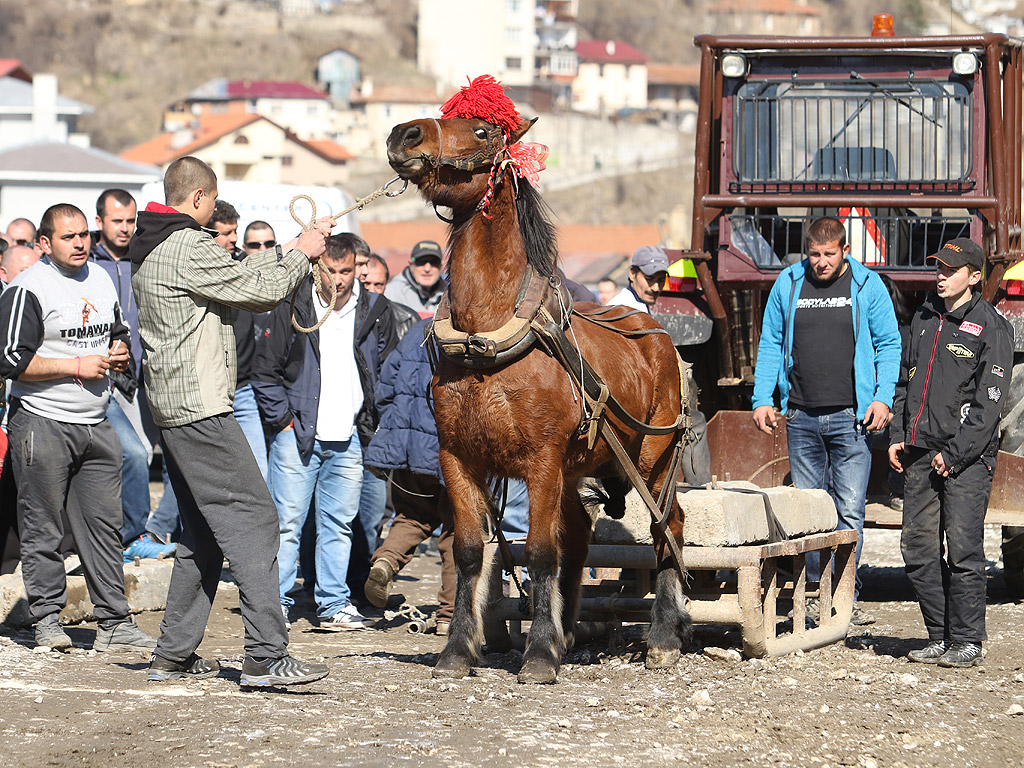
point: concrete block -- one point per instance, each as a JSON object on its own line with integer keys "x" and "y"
{"x": 633, "y": 528}
{"x": 145, "y": 586}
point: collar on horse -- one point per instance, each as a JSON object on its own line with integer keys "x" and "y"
{"x": 540, "y": 300}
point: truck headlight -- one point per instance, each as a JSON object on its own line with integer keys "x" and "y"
{"x": 734, "y": 65}
{"x": 965, "y": 63}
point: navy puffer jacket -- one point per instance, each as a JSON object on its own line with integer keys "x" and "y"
{"x": 407, "y": 435}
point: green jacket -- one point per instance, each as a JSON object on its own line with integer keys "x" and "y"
{"x": 185, "y": 285}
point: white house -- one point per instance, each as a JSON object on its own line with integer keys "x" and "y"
{"x": 303, "y": 110}
{"x": 36, "y": 175}
{"x": 31, "y": 109}
{"x": 612, "y": 75}
{"x": 488, "y": 37}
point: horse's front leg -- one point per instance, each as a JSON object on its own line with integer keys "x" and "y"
{"x": 575, "y": 540}
{"x": 464, "y": 635}
{"x": 671, "y": 626}
{"x": 546, "y": 641}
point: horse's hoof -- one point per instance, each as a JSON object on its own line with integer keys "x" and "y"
{"x": 451, "y": 667}
{"x": 538, "y": 672}
{"x": 662, "y": 658}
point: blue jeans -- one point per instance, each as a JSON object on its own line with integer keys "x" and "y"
{"x": 134, "y": 475}
{"x": 516, "y": 520}
{"x": 248, "y": 417}
{"x": 828, "y": 450}
{"x": 333, "y": 476}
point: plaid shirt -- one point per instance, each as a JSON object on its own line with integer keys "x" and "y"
{"x": 185, "y": 289}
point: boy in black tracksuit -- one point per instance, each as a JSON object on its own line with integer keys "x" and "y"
{"x": 955, "y": 372}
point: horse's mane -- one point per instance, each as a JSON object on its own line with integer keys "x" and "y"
{"x": 538, "y": 233}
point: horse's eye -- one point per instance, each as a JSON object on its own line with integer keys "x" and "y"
{"x": 481, "y": 133}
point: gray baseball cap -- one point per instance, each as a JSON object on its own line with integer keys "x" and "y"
{"x": 650, "y": 259}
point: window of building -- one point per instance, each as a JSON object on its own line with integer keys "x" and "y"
{"x": 513, "y": 6}
{"x": 286, "y": 161}
{"x": 513, "y": 63}
{"x": 513, "y": 34}
{"x": 242, "y": 140}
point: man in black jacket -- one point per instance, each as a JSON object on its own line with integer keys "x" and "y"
{"x": 954, "y": 374}
{"x": 316, "y": 396}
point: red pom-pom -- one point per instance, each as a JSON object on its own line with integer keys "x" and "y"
{"x": 483, "y": 98}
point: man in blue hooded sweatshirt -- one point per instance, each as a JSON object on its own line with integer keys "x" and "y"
{"x": 831, "y": 346}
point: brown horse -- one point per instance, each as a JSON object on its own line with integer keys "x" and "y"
{"x": 520, "y": 419}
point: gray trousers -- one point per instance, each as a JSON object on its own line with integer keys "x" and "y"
{"x": 76, "y": 467}
{"x": 226, "y": 512}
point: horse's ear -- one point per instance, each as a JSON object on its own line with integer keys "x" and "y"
{"x": 518, "y": 133}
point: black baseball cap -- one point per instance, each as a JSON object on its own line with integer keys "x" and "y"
{"x": 961, "y": 252}
{"x": 426, "y": 249}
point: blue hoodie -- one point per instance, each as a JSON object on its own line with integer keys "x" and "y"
{"x": 876, "y": 358}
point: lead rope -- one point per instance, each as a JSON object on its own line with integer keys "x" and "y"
{"x": 318, "y": 269}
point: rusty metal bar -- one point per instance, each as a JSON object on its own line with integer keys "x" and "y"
{"x": 775, "y": 44}
{"x": 701, "y": 187}
{"x": 998, "y": 147}
{"x": 840, "y": 199}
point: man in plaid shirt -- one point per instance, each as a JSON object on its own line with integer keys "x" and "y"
{"x": 186, "y": 285}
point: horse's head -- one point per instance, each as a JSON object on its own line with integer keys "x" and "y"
{"x": 449, "y": 160}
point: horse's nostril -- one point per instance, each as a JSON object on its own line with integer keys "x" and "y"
{"x": 413, "y": 135}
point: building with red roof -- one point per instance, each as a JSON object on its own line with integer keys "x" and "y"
{"x": 302, "y": 109}
{"x": 611, "y": 77}
{"x": 248, "y": 147}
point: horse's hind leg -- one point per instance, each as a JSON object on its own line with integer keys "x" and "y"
{"x": 545, "y": 643}
{"x": 671, "y": 626}
{"x": 574, "y": 540}
{"x": 464, "y": 635}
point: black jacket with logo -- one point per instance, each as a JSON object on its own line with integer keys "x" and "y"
{"x": 953, "y": 379}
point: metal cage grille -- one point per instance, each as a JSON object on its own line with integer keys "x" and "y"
{"x": 855, "y": 132}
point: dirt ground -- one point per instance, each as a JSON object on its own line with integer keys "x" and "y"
{"x": 859, "y": 704}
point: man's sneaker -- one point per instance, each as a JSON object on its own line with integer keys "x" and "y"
{"x": 931, "y": 653}
{"x": 378, "y": 583}
{"x": 283, "y": 671}
{"x": 962, "y": 655}
{"x": 147, "y": 549}
{"x": 860, "y": 617}
{"x": 50, "y": 634}
{"x": 896, "y": 503}
{"x": 347, "y": 618}
{"x": 193, "y": 668}
{"x": 123, "y": 636}
{"x": 287, "y": 618}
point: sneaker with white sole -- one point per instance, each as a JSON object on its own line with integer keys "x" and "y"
{"x": 278, "y": 672}
{"x": 348, "y": 618}
{"x": 193, "y": 668}
{"x": 50, "y": 634}
{"x": 962, "y": 654}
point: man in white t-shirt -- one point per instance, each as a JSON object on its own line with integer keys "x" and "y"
{"x": 647, "y": 274}
{"x": 315, "y": 392}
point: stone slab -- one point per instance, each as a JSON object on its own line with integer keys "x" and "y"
{"x": 145, "y": 585}
{"x": 724, "y": 518}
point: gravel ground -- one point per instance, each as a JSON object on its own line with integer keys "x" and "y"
{"x": 854, "y": 704}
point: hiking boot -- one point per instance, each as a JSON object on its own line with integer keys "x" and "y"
{"x": 378, "y": 583}
{"x": 145, "y": 548}
{"x": 896, "y": 503}
{"x": 50, "y": 634}
{"x": 123, "y": 636}
{"x": 860, "y": 617}
{"x": 962, "y": 655}
{"x": 348, "y": 618}
{"x": 193, "y": 668}
{"x": 931, "y": 653}
{"x": 284, "y": 671}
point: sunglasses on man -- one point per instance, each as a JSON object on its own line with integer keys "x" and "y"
{"x": 419, "y": 262}
{"x": 255, "y": 245}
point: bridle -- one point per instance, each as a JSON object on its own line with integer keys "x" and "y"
{"x": 482, "y": 159}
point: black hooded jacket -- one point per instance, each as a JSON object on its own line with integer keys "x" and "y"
{"x": 954, "y": 378}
